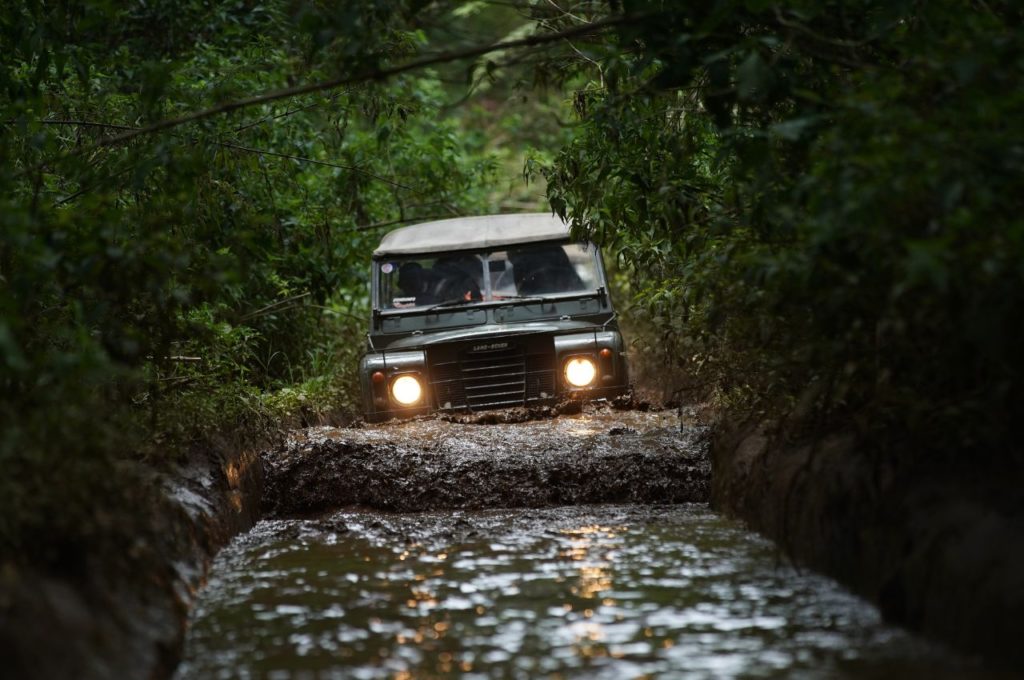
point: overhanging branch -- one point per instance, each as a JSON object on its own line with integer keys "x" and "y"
{"x": 314, "y": 161}
{"x": 227, "y": 145}
{"x": 362, "y": 77}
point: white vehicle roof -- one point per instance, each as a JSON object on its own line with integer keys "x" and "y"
{"x": 470, "y": 233}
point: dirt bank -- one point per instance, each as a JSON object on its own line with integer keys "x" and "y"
{"x": 940, "y": 549}
{"x": 522, "y": 459}
{"x": 123, "y": 616}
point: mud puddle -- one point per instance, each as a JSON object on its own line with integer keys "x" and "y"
{"x": 576, "y": 546}
{"x": 591, "y": 592}
{"x": 517, "y": 458}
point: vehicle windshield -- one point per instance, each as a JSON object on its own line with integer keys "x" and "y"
{"x": 514, "y": 272}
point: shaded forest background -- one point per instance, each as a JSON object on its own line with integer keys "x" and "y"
{"x": 813, "y": 205}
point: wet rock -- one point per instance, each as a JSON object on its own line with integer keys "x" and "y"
{"x": 516, "y": 460}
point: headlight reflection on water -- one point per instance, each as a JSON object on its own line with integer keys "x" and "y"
{"x": 592, "y": 591}
{"x": 593, "y": 546}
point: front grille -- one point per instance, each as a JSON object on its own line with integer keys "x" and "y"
{"x": 491, "y": 375}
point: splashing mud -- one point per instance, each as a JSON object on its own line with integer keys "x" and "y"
{"x": 515, "y": 458}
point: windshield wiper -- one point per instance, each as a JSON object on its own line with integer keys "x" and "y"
{"x": 502, "y": 298}
{"x": 454, "y": 302}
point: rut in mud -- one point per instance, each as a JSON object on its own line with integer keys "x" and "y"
{"x": 524, "y": 458}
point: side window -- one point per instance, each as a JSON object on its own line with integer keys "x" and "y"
{"x": 503, "y": 282}
{"x": 582, "y": 258}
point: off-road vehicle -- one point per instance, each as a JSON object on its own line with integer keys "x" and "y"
{"x": 487, "y": 312}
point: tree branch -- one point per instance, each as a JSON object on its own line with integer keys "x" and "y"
{"x": 228, "y": 145}
{"x": 274, "y": 306}
{"x": 351, "y": 79}
{"x": 289, "y": 112}
{"x": 350, "y": 168}
{"x": 79, "y": 123}
{"x": 391, "y": 223}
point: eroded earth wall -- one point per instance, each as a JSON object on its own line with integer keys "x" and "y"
{"x": 123, "y": 616}
{"x": 939, "y": 550}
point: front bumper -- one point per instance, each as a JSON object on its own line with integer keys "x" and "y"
{"x": 499, "y": 372}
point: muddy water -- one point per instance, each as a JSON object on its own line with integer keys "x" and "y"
{"x": 602, "y": 591}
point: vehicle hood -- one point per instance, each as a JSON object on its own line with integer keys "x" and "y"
{"x": 489, "y": 331}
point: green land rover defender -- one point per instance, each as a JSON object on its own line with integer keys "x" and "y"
{"x": 488, "y": 312}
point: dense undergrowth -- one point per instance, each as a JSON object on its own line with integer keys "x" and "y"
{"x": 822, "y": 207}
{"x": 814, "y": 202}
{"x": 162, "y": 290}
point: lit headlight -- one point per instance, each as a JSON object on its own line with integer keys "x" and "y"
{"x": 406, "y": 390}
{"x": 580, "y": 372}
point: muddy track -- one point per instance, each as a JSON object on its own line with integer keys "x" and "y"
{"x": 524, "y": 459}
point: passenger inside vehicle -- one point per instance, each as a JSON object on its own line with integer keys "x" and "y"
{"x": 545, "y": 269}
{"x": 457, "y": 278}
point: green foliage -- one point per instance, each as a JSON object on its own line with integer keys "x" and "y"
{"x": 209, "y": 277}
{"x": 817, "y": 201}
{"x": 820, "y": 199}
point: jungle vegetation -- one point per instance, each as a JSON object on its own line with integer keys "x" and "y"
{"x": 816, "y": 203}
